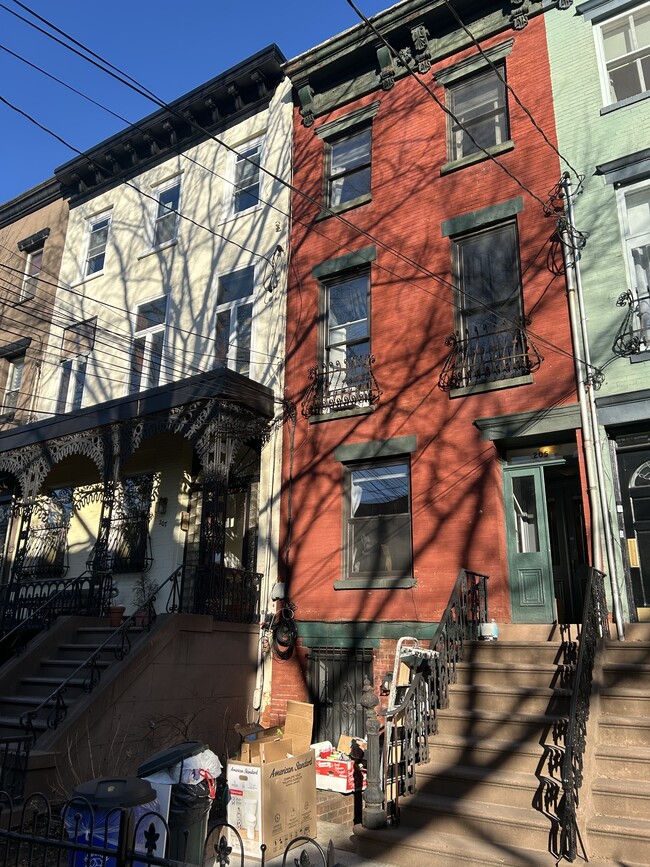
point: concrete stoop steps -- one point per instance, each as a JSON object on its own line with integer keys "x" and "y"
{"x": 492, "y": 793}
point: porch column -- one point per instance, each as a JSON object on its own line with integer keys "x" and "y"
{"x": 112, "y": 465}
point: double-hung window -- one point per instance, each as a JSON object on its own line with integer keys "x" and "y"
{"x": 246, "y": 190}
{"x": 378, "y": 520}
{"x": 636, "y": 230}
{"x": 98, "y": 231}
{"x": 479, "y": 117}
{"x": 625, "y": 54}
{"x": 168, "y": 198}
{"x": 235, "y": 295}
{"x": 148, "y": 345}
{"x": 32, "y": 273}
{"x": 78, "y": 343}
{"x": 15, "y": 368}
{"x": 348, "y": 168}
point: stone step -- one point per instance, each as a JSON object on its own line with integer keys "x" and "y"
{"x": 18, "y": 704}
{"x": 44, "y": 686}
{"x": 70, "y": 665}
{"x": 622, "y": 676}
{"x": 625, "y": 840}
{"x": 621, "y": 730}
{"x": 512, "y": 788}
{"x": 627, "y": 702}
{"x": 544, "y": 633}
{"x": 635, "y": 632}
{"x": 531, "y": 653}
{"x": 13, "y": 724}
{"x": 625, "y": 798}
{"x": 628, "y": 652}
{"x": 86, "y": 649}
{"x": 622, "y": 763}
{"x": 507, "y": 755}
{"x": 514, "y": 699}
{"x": 505, "y": 726}
{"x": 486, "y": 673}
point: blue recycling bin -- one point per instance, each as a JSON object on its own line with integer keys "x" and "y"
{"x": 94, "y": 819}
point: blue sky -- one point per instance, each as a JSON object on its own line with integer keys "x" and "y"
{"x": 169, "y": 48}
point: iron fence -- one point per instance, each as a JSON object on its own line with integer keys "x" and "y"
{"x": 75, "y": 834}
{"x": 14, "y": 758}
{"x": 231, "y": 595}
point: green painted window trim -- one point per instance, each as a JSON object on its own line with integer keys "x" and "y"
{"x": 629, "y": 168}
{"x": 473, "y": 64}
{"x": 623, "y": 103}
{"x": 530, "y": 423}
{"x": 597, "y": 10}
{"x": 347, "y": 206}
{"x": 318, "y": 633}
{"x": 374, "y": 584}
{"x": 375, "y": 450}
{"x": 346, "y": 413}
{"x": 342, "y": 124}
{"x": 483, "y": 217}
{"x": 357, "y": 259}
{"x": 513, "y": 382}
{"x": 495, "y": 150}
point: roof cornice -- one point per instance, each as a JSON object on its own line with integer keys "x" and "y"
{"x": 30, "y": 201}
{"x": 238, "y": 93}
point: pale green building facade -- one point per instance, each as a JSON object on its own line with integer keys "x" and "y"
{"x": 600, "y": 69}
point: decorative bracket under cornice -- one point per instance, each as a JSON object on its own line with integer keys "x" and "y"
{"x": 386, "y": 67}
{"x": 423, "y": 56}
{"x": 519, "y": 16}
{"x": 306, "y": 97}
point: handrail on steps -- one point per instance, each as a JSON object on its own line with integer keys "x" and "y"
{"x": 412, "y": 716}
{"x": 146, "y": 612}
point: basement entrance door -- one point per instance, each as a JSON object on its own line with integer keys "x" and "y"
{"x": 546, "y": 541}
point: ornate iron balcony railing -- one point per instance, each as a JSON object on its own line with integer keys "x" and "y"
{"x": 481, "y": 355}
{"x": 336, "y": 387}
{"x": 634, "y": 334}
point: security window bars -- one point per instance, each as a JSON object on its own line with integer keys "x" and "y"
{"x": 129, "y": 532}
{"x": 235, "y": 320}
{"x": 148, "y": 345}
{"x": 98, "y": 230}
{"x": 246, "y": 193}
{"x": 32, "y": 273}
{"x": 47, "y": 544}
{"x": 12, "y": 387}
{"x": 166, "y": 223}
{"x": 478, "y": 105}
{"x": 348, "y": 168}
{"x": 378, "y": 521}
{"x": 626, "y": 54}
{"x": 335, "y": 687}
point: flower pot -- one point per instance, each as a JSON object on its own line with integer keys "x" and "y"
{"x": 116, "y": 615}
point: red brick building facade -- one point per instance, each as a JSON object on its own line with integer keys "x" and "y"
{"x": 417, "y": 453}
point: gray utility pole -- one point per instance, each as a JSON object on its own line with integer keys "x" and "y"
{"x": 600, "y": 524}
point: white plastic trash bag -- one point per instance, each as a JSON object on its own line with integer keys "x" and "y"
{"x": 193, "y": 769}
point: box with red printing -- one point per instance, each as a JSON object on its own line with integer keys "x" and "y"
{"x": 339, "y": 776}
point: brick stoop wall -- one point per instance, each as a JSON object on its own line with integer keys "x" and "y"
{"x": 338, "y": 808}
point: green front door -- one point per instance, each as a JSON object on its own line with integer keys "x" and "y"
{"x": 532, "y": 596}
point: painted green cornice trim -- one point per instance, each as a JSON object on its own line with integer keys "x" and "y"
{"x": 596, "y": 10}
{"x": 357, "y": 259}
{"x": 626, "y": 169}
{"x": 483, "y": 217}
{"x": 625, "y": 408}
{"x": 374, "y": 584}
{"x": 475, "y": 63}
{"x": 531, "y": 423}
{"x": 494, "y": 385}
{"x": 374, "y": 449}
{"x": 355, "y": 118}
{"x": 318, "y": 633}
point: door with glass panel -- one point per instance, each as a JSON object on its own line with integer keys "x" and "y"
{"x": 529, "y": 555}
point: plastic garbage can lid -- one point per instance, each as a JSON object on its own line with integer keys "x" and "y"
{"x": 116, "y": 792}
{"x": 169, "y": 757}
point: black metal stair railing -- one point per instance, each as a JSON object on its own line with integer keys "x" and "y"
{"x": 118, "y": 643}
{"x": 30, "y": 606}
{"x": 593, "y": 632}
{"x": 410, "y": 722}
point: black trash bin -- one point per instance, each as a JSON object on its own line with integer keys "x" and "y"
{"x": 95, "y": 818}
{"x": 185, "y": 805}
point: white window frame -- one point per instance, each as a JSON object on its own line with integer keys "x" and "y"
{"x": 30, "y": 280}
{"x": 15, "y": 370}
{"x": 605, "y": 86}
{"x": 332, "y": 176}
{"x": 232, "y": 307}
{"x": 78, "y": 344}
{"x": 259, "y": 142}
{"x": 144, "y": 380}
{"x": 629, "y": 242}
{"x": 91, "y": 222}
{"x": 159, "y": 216}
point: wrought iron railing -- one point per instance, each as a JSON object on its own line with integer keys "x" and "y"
{"x": 47, "y": 553}
{"x": 335, "y": 387}
{"x": 79, "y": 834}
{"x": 30, "y": 606}
{"x": 53, "y": 709}
{"x": 228, "y": 594}
{"x": 634, "y": 334}
{"x": 593, "y": 632}
{"x": 14, "y": 758}
{"x": 412, "y": 717}
{"x": 482, "y": 355}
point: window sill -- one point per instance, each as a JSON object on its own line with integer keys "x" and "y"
{"x": 232, "y": 216}
{"x": 158, "y": 249}
{"x": 492, "y": 386}
{"x": 374, "y": 584}
{"x": 640, "y": 357}
{"x": 343, "y": 413}
{"x": 472, "y": 159}
{"x": 623, "y": 103}
{"x": 88, "y": 278}
{"x": 347, "y": 206}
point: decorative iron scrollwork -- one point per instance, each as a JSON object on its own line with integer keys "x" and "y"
{"x": 336, "y": 387}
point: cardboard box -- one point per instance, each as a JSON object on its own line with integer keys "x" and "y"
{"x": 335, "y": 775}
{"x": 273, "y": 784}
{"x": 272, "y": 802}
